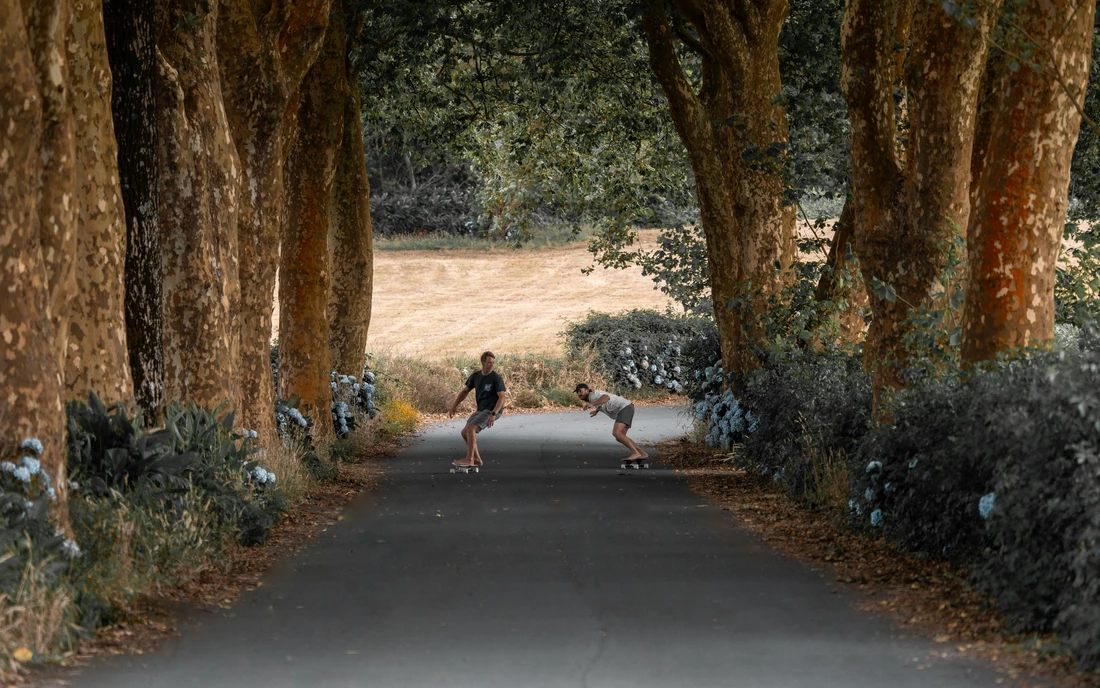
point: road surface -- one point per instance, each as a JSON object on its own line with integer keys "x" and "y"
{"x": 548, "y": 568}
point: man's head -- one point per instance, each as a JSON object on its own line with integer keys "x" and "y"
{"x": 488, "y": 360}
{"x": 582, "y": 391}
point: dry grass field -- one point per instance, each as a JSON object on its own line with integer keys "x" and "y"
{"x": 441, "y": 304}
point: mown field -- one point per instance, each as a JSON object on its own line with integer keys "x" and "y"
{"x": 437, "y": 304}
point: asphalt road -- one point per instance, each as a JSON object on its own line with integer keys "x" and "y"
{"x": 548, "y": 568}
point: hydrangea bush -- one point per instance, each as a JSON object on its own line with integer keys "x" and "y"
{"x": 999, "y": 470}
{"x": 26, "y": 532}
{"x": 353, "y": 401}
{"x": 637, "y": 350}
{"x": 725, "y": 419}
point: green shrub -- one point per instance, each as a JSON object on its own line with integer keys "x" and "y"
{"x": 1000, "y": 471}
{"x": 808, "y": 408}
{"x": 639, "y": 350}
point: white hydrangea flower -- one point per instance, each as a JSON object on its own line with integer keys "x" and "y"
{"x": 71, "y": 549}
{"x": 22, "y": 474}
{"x": 74, "y": 486}
{"x": 52, "y": 493}
{"x": 32, "y": 444}
{"x": 7, "y": 467}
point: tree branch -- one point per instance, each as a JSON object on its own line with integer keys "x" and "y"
{"x": 687, "y": 112}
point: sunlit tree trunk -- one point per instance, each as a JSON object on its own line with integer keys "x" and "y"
{"x": 907, "y": 200}
{"x": 747, "y": 228}
{"x": 129, "y": 28}
{"x": 199, "y": 182}
{"x": 37, "y": 229}
{"x": 350, "y": 246}
{"x": 264, "y": 49}
{"x": 303, "y": 263}
{"x": 1016, "y": 228}
{"x": 97, "y": 358}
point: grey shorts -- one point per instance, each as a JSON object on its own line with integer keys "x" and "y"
{"x": 626, "y": 416}
{"x": 480, "y": 419}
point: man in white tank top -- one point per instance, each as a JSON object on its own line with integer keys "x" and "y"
{"x": 617, "y": 409}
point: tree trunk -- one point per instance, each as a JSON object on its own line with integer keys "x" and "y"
{"x": 351, "y": 247}
{"x": 904, "y": 212}
{"x": 830, "y": 288}
{"x": 37, "y": 230}
{"x": 304, "y": 368}
{"x": 747, "y": 228}
{"x": 1016, "y": 228}
{"x": 129, "y": 27}
{"x": 199, "y": 182}
{"x": 265, "y": 50}
{"x": 97, "y": 358}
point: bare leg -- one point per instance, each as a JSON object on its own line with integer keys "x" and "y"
{"x": 469, "y": 436}
{"x": 619, "y": 433}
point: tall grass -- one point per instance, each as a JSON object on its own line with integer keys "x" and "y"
{"x": 533, "y": 381}
{"x": 35, "y": 618}
{"x": 540, "y": 237}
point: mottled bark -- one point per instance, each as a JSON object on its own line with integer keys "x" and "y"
{"x": 351, "y": 246}
{"x": 97, "y": 359}
{"x": 1016, "y": 228}
{"x": 304, "y": 366}
{"x": 199, "y": 183}
{"x": 37, "y": 229}
{"x": 129, "y": 26}
{"x": 746, "y": 226}
{"x": 265, "y": 49}
{"x": 904, "y": 209}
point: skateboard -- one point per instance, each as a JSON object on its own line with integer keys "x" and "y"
{"x": 635, "y": 463}
{"x": 464, "y": 469}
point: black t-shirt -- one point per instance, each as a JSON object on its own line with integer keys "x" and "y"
{"x": 486, "y": 387}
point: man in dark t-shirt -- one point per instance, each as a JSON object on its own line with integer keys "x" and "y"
{"x": 490, "y": 393}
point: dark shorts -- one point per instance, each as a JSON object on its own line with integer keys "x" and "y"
{"x": 626, "y": 416}
{"x": 480, "y": 419}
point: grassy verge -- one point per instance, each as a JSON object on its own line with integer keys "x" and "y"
{"x": 534, "y": 381}
{"x": 926, "y": 596}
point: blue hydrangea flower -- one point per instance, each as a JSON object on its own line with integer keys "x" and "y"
{"x": 22, "y": 474}
{"x": 32, "y": 444}
{"x": 368, "y": 378}
{"x": 985, "y": 505}
{"x": 32, "y": 464}
{"x": 7, "y": 467}
{"x": 73, "y": 485}
{"x": 876, "y": 517}
{"x": 873, "y": 466}
{"x": 52, "y": 493}
{"x": 868, "y": 494}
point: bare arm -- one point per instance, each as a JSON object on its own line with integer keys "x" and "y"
{"x": 458, "y": 400}
{"x": 596, "y": 402}
{"x": 501, "y": 396}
